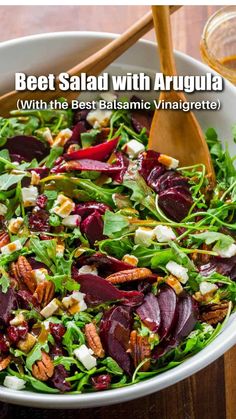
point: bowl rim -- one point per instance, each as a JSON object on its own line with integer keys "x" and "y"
{"x": 203, "y": 358}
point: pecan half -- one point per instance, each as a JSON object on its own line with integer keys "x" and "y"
{"x": 94, "y": 341}
{"x": 44, "y": 292}
{"x": 129, "y": 275}
{"x": 139, "y": 349}
{"x": 214, "y": 313}
{"x": 23, "y": 272}
{"x": 44, "y": 368}
{"x": 4, "y": 239}
{"x": 5, "y": 362}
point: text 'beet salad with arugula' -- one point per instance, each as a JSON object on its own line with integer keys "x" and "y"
{"x": 116, "y": 264}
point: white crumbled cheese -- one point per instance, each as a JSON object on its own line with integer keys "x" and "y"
{"x": 29, "y": 196}
{"x": 39, "y": 274}
{"x": 3, "y": 209}
{"x": 108, "y": 96}
{"x": 207, "y": 288}
{"x": 35, "y": 178}
{"x": 50, "y": 309}
{"x": 177, "y": 270}
{"x": 164, "y": 233}
{"x": 99, "y": 118}
{"x": 71, "y": 221}
{"x": 133, "y": 148}
{"x": 84, "y": 355}
{"x": 62, "y": 138}
{"x": 75, "y": 302}
{"x": 63, "y": 206}
{"x": 15, "y": 224}
{"x": 17, "y": 320}
{"x": 47, "y": 135}
{"x": 14, "y": 383}
{"x": 88, "y": 269}
{"x": 11, "y": 247}
{"x": 131, "y": 259}
{"x": 168, "y": 161}
{"x": 226, "y": 253}
{"x": 144, "y": 236}
{"x": 60, "y": 249}
{"x": 174, "y": 283}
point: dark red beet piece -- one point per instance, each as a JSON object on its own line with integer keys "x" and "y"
{"x": 4, "y": 344}
{"x": 8, "y": 302}
{"x": 101, "y": 382}
{"x": 187, "y": 317}
{"x": 123, "y": 162}
{"x": 99, "y": 152}
{"x": 167, "y": 301}
{"x": 87, "y": 208}
{"x": 58, "y": 379}
{"x": 149, "y": 312}
{"x": 57, "y": 330}
{"x": 147, "y": 161}
{"x": 175, "y": 202}
{"x": 27, "y": 148}
{"x": 27, "y": 301}
{"x": 106, "y": 264}
{"x": 78, "y": 129}
{"x": 92, "y": 227}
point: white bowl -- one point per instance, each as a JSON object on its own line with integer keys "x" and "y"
{"x": 46, "y": 53}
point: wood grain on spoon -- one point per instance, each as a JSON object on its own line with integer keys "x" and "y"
{"x": 92, "y": 65}
{"x": 175, "y": 132}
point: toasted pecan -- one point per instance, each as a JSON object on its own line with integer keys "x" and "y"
{"x": 44, "y": 368}
{"x": 4, "y": 238}
{"x": 23, "y": 272}
{"x": 139, "y": 349}
{"x": 129, "y": 275}
{"x": 5, "y": 362}
{"x": 214, "y": 313}
{"x": 44, "y": 292}
{"x": 93, "y": 339}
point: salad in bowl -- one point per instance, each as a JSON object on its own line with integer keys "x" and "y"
{"x": 116, "y": 263}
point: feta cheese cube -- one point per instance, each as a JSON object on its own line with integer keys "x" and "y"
{"x": 29, "y": 196}
{"x": 177, "y": 270}
{"x": 99, "y": 118}
{"x": 164, "y": 233}
{"x": 71, "y": 221}
{"x": 17, "y": 320}
{"x": 50, "y": 309}
{"x": 26, "y": 344}
{"x": 39, "y": 274}
{"x": 132, "y": 260}
{"x": 15, "y": 224}
{"x": 227, "y": 252}
{"x": 3, "y": 209}
{"x": 62, "y": 138}
{"x": 168, "y": 161}
{"x": 207, "y": 288}
{"x": 63, "y": 206}
{"x": 88, "y": 269}
{"x": 35, "y": 178}
{"x": 14, "y": 383}
{"x": 75, "y": 303}
{"x": 144, "y": 236}
{"x": 108, "y": 96}
{"x": 174, "y": 283}
{"x": 11, "y": 247}
{"x": 60, "y": 248}
{"x": 84, "y": 355}
{"x": 133, "y": 148}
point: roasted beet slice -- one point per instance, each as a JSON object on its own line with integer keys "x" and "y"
{"x": 175, "y": 202}
{"x": 154, "y": 175}
{"x": 141, "y": 120}
{"x": 92, "y": 227}
{"x": 28, "y": 148}
{"x": 8, "y": 302}
{"x": 78, "y": 129}
{"x": 58, "y": 379}
{"x": 149, "y": 312}
{"x": 123, "y": 162}
{"x": 187, "y": 317}
{"x": 87, "y": 208}
{"x": 98, "y": 290}
{"x": 115, "y": 331}
{"x": 224, "y": 266}
{"x": 147, "y": 161}
{"x": 166, "y": 180}
{"x": 167, "y": 301}
{"x": 99, "y": 152}
{"x": 87, "y": 165}
{"x": 27, "y": 301}
{"x": 106, "y": 264}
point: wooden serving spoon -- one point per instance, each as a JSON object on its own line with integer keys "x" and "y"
{"x": 92, "y": 65}
{"x": 175, "y": 132}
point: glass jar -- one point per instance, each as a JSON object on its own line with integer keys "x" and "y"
{"x": 218, "y": 43}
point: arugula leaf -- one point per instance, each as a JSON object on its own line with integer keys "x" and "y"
{"x": 73, "y": 337}
{"x": 145, "y": 254}
{"x": 64, "y": 283}
{"x": 116, "y": 247}
{"x": 45, "y": 251}
{"x": 114, "y": 223}
{"x": 9, "y": 179}
{"x": 112, "y": 366}
{"x": 4, "y": 282}
{"x": 55, "y": 152}
{"x": 88, "y": 138}
{"x": 209, "y": 237}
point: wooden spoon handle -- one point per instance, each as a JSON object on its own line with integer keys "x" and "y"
{"x": 161, "y": 18}
{"x": 97, "y": 62}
